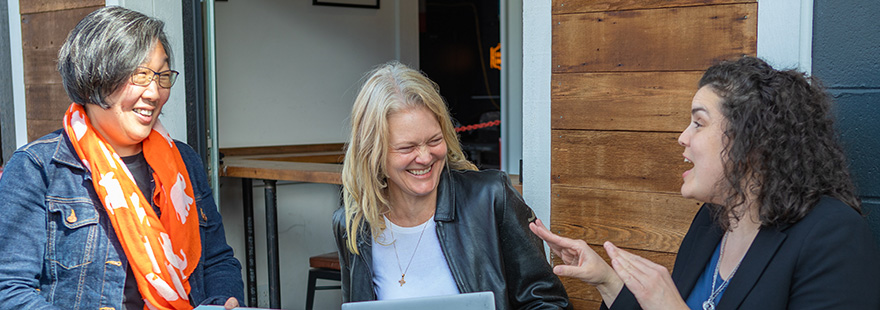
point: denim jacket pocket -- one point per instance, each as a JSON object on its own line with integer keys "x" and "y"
{"x": 73, "y": 232}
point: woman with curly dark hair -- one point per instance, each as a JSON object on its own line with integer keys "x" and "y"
{"x": 781, "y": 227}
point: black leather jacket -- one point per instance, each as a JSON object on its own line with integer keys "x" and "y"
{"x": 482, "y": 226}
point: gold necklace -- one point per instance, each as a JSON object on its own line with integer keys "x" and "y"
{"x": 394, "y": 243}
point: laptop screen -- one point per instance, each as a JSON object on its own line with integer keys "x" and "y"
{"x": 467, "y": 301}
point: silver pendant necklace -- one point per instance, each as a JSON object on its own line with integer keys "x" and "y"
{"x": 394, "y": 243}
{"x": 709, "y": 304}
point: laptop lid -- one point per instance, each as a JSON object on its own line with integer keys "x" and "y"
{"x": 466, "y": 301}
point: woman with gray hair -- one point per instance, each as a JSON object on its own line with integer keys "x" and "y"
{"x": 110, "y": 212}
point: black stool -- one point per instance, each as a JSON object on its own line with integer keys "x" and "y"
{"x": 324, "y": 266}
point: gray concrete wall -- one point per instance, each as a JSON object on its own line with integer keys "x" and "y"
{"x": 846, "y": 56}
{"x": 7, "y": 117}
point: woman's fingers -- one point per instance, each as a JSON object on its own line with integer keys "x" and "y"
{"x": 231, "y": 303}
{"x": 557, "y": 244}
{"x": 649, "y": 282}
{"x": 630, "y": 275}
{"x": 541, "y": 231}
{"x": 568, "y": 271}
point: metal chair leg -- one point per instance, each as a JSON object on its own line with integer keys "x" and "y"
{"x": 310, "y": 293}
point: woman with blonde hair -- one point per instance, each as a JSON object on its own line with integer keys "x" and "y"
{"x": 419, "y": 219}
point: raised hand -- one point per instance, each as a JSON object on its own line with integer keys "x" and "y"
{"x": 581, "y": 262}
{"x": 649, "y": 282}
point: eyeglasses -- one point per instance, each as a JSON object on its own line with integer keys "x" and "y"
{"x": 144, "y": 76}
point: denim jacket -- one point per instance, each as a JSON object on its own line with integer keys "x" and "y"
{"x": 58, "y": 249}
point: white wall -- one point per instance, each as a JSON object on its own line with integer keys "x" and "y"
{"x": 785, "y": 33}
{"x": 511, "y": 85}
{"x": 537, "y": 42}
{"x": 287, "y": 73}
{"x": 17, "y": 74}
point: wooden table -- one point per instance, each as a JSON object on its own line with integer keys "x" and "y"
{"x": 316, "y": 163}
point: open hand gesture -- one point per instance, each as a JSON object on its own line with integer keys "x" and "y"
{"x": 580, "y": 261}
{"x": 649, "y": 282}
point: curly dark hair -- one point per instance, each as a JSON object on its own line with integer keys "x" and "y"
{"x": 780, "y": 143}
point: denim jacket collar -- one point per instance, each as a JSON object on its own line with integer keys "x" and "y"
{"x": 66, "y": 154}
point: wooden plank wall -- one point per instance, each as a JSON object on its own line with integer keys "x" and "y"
{"x": 624, "y": 73}
{"x": 44, "y": 27}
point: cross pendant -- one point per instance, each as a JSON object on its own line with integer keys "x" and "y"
{"x": 402, "y": 282}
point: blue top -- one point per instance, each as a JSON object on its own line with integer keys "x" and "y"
{"x": 703, "y": 289}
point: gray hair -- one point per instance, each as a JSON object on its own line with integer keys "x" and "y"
{"x": 104, "y": 49}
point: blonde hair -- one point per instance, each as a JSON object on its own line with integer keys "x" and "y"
{"x": 388, "y": 89}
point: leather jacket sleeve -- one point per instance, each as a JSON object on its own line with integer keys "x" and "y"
{"x": 344, "y": 253}
{"x": 531, "y": 282}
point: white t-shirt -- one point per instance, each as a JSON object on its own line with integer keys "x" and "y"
{"x": 427, "y": 275}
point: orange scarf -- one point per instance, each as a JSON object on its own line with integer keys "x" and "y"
{"x": 162, "y": 252}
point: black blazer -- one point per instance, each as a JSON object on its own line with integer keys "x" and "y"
{"x": 827, "y": 260}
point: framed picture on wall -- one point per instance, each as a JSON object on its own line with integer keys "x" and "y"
{"x": 367, "y": 4}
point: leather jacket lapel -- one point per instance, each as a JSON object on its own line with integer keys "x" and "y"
{"x": 444, "y": 216}
{"x": 445, "y": 210}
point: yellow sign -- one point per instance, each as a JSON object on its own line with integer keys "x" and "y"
{"x": 495, "y": 57}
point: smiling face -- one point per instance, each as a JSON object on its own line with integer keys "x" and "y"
{"x": 133, "y": 109}
{"x": 416, "y": 154}
{"x": 703, "y": 145}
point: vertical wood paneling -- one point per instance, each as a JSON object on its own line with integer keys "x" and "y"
{"x": 44, "y": 27}
{"x": 52, "y": 101}
{"x": 624, "y": 73}
{"x": 37, "y": 6}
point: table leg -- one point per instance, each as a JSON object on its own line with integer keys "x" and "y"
{"x": 272, "y": 245}
{"x": 247, "y": 194}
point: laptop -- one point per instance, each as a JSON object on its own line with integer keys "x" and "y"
{"x": 466, "y": 301}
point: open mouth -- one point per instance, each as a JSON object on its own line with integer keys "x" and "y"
{"x": 143, "y": 112}
{"x": 421, "y": 172}
{"x": 688, "y": 161}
